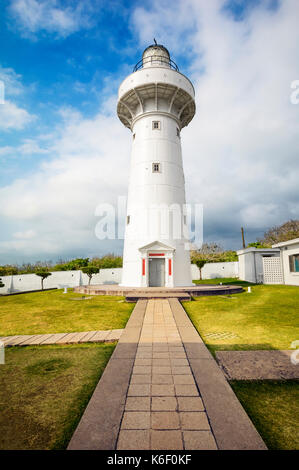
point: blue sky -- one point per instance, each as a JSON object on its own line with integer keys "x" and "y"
{"x": 63, "y": 150}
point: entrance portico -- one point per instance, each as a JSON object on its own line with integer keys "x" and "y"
{"x": 156, "y": 265}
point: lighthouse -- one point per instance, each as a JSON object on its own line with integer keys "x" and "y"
{"x": 156, "y": 102}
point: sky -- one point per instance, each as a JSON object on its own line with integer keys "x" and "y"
{"x": 63, "y": 150}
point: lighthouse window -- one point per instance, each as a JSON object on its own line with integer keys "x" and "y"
{"x": 128, "y": 219}
{"x": 134, "y": 135}
{"x": 156, "y": 125}
{"x": 156, "y": 168}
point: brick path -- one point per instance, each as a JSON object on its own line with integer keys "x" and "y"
{"x": 163, "y": 408}
{"x": 62, "y": 338}
{"x": 162, "y": 390}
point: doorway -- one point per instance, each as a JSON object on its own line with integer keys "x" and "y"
{"x": 156, "y": 272}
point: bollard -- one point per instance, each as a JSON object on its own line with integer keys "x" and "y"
{"x": 65, "y": 290}
{"x": 249, "y": 290}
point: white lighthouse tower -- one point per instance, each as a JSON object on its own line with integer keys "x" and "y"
{"x": 155, "y": 102}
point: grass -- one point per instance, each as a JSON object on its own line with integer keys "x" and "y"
{"x": 273, "y": 408}
{"x": 265, "y": 319}
{"x": 55, "y": 312}
{"x": 44, "y": 391}
{"x": 227, "y": 281}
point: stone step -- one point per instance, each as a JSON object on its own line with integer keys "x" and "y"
{"x": 157, "y": 295}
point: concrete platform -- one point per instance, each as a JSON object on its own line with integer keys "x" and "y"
{"x": 182, "y": 293}
{"x": 162, "y": 390}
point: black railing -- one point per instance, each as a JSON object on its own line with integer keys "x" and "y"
{"x": 156, "y": 60}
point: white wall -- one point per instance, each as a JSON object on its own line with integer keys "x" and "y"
{"x": 289, "y": 277}
{"x": 30, "y": 282}
{"x": 214, "y": 270}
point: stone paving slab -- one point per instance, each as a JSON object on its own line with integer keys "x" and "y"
{"x": 63, "y": 338}
{"x": 6, "y": 339}
{"x": 20, "y": 339}
{"x": 38, "y": 339}
{"x": 54, "y": 338}
{"x": 27, "y": 341}
{"x": 258, "y": 365}
{"x": 113, "y": 335}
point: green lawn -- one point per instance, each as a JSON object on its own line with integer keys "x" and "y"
{"x": 226, "y": 281}
{"x": 44, "y": 391}
{"x": 265, "y": 319}
{"x": 55, "y": 312}
{"x": 273, "y": 408}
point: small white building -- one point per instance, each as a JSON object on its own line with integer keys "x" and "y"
{"x": 289, "y": 255}
{"x": 260, "y": 265}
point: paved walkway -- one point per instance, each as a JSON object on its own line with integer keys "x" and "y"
{"x": 258, "y": 365}
{"x": 62, "y": 338}
{"x": 162, "y": 390}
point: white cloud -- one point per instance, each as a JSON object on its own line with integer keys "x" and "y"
{"x": 89, "y": 165}
{"x": 11, "y": 80}
{"x": 28, "y": 147}
{"x": 13, "y": 116}
{"x": 26, "y": 235}
{"x": 53, "y": 16}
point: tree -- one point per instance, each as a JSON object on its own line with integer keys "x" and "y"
{"x": 213, "y": 253}
{"x": 257, "y": 245}
{"x": 71, "y": 265}
{"x": 200, "y": 264}
{"x": 43, "y": 275}
{"x": 108, "y": 261}
{"x": 8, "y": 270}
{"x": 281, "y": 233}
{"x": 90, "y": 271}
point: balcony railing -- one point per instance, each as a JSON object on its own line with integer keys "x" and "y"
{"x": 155, "y": 60}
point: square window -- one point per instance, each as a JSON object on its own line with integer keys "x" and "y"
{"x": 156, "y": 168}
{"x": 294, "y": 263}
{"x": 156, "y": 125}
